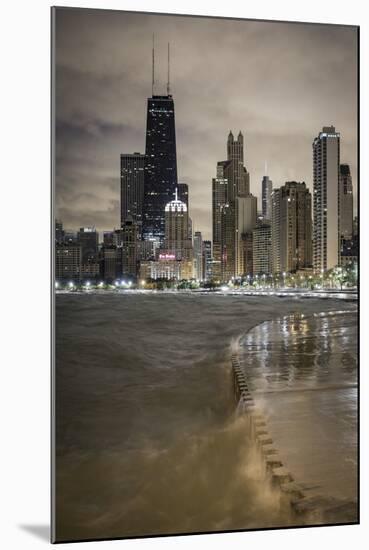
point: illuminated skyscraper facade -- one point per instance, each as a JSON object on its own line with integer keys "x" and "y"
{"x": 129, "y": 249}
{"x": 182, "y": 190}
{"x": 232, "y": 181}
{"x": 326, "y": 163}
{"x": 291, "y": 228}
{"x": 176, "y": 228}
{"x": 346, "y": 202}
{"x": 266, "y": 197}
{"x": 207, "y": 260}
{"x": 219, "y": 200}
{"x": 246, "y": 221}
{"x": 132, "y": 171}
{"x": 261, "y": 250}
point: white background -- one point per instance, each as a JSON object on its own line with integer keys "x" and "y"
{"x": 24, "y": 284}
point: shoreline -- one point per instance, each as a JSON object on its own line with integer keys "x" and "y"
{"x": 346, "y": 294}
{"x": 253, "y": 391}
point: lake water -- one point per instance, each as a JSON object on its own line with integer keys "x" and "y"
{"x": 147, "y": 437}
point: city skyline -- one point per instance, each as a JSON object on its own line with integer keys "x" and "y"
{"x": 205, "y": 273}
{"x": 92, "y": 132}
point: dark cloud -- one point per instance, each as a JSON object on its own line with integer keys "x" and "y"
{"x": 277, "y": 82}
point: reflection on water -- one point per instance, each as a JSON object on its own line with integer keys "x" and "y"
{"x": 308, "y": 350}
{"x": 302, "y": 372}
{"x": 147, "y": 437}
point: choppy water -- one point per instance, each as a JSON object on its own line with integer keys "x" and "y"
{"x": 146, "y": 435}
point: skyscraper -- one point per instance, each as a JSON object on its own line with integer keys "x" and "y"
{"x": 232, "y": 181}
{"x": 174, "y": 260}
{"x": 228, "y": 246}
{"x": 110, "y": 263}
{"x": 190, "y": 228}
{"x": 245, "y": 254}
{"x": 161, "y": 165}
{"x": 291, "y": 228}
{"x": 239, "y": 178}
{"x": 261, "y": 249}
{"x": 326, "y": 162}
{"x": 276, "y": 232}
{"x": 132, "y": 172}
{"x": 68, "y": 262}
{"x": 346, "y": 202}
{"x": 70, "y": 237}
{"x": 108, "y": 238}
{"x": 176, "y": 229}
{"x": 219, "y": 199}
{"x": 183, "y": 193}
{"x": 246, "y": 221}
{"x": 88, "y": 240}
{"x": 266, "y": 197}
{"x": 207, "y": 261}
{"x": 129, "y": 248}
{"x": 355, "y": 227}
{"x": 198, "y": 255}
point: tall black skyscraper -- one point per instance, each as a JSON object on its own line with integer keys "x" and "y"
{"x": 161, "y": 166}
{"x": 161, "y": 162}
{"x": 183, "y": 193}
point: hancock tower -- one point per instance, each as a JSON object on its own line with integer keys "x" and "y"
{"x": 161, "y": 161}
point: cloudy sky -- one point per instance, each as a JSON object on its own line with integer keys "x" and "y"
{"x": 278, "y": 83}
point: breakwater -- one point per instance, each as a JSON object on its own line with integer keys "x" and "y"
{"x": 295, "y": 380}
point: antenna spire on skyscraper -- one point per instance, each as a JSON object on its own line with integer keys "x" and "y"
{"x": 266, "y": 169}
{"x": 153, "y": 64}
{"x": 168, "y": 83}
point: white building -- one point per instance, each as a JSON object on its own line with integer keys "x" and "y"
{"x": 326, "y": 163}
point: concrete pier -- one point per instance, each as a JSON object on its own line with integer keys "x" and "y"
{"x": 296, "y": 379}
